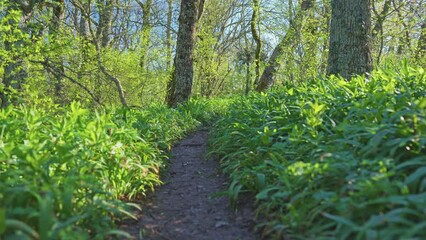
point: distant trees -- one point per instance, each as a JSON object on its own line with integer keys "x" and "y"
{"x": 350, "y": 50}
{"x": 109, "y": 52}
{"x": 268, "y": 75}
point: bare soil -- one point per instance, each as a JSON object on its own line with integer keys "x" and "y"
{"x": 184, "y": 208}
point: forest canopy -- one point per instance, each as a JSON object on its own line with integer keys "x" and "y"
{"x": 112, "y": 52}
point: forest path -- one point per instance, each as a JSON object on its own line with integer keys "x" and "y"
{"x": 184, "y": 209}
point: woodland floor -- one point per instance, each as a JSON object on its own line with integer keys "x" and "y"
{"x": 184, "y": 209}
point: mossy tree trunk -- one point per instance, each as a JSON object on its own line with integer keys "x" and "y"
{"x": 256, "y": 37}
{"x": 179, "y": 89}
{"x": 268, "y": 75}
{"x": 146, "y": 31}
{"x": 15, "y": 72}
{"x": 169, "y": 34}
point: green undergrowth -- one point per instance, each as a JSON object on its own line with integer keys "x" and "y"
{"x": 66, "y": 173}
{"x": 330, "y": 159}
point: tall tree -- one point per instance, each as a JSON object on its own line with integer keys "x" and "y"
{"x": 14, "y": 70}
{"x": 256, "y": 37}
{"x": 106, "y": 15}
{"x": 350, "y": 51}
{"x": 146, "y": 30}
{"x": 421, "y": 45}
{"x": 378, "y": 26}
{"x": 169, "y": 34}
{"x": 56, "y": 22}
{"x": 268, "y": 75}
{"x": 181, "y": 82}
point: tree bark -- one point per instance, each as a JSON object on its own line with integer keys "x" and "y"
{"x": 404, "y": 41}
{"x": 57, "y": 18}
{"x": 421, "y": 44}
{"x": 378, "y": 26}
{"x": 146, "y": 30}
{"x": 169, "y": 34}
{"x": 268, "y": 75}
{"x": 14, "y": 70}
{"x": 85, "y": 10}
{"x": 256, "y": 37}
{"x": 190, "y": 12}
{"x": 113, "y": 79}
{"x": 104, "y": 28}
{"x": 350, "y": 50}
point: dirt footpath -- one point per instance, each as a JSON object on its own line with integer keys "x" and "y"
{"x": 184, "y": 209}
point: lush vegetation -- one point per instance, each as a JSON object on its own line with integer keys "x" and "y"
{"x": 332, "y": 159}
{"x": 83, "y": 127}
{"x": 64, "y": 171}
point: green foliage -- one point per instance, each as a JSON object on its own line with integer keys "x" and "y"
{"x": 64, "y": 172}
{"x": 331, "y": 159}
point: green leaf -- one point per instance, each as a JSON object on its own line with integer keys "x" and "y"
{"x": 422, "y": 103}
{"x": 416, "y": 176}
{"x": 264, "y": 194}
{"x": 341, "y": 220}
{"x": 19, "y": 225}
{"x": 2, "y": 220}
{"x": 119, "y": 233}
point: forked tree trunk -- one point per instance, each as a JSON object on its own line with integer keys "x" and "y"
{"x": 180, "y": 88}
{"x": 350, "y": 50}
{"x": 268, "y": 75}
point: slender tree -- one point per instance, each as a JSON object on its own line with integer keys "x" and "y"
{"x": 378, "y": 26}
{"x": 256, "y": 37}
{"x": 268, "y": 75}
{"x": 421, "y": 45}
{"x": 146, "y": 30}
{"x": 169, "y": 34}
{"x": 181, "y": 82}
{"x": 55, "y": 27}
{"x": 350, "y": 51}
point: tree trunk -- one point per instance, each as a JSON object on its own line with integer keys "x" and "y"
{"x": 110, "y": 77}
{"x": 248, "y": 75}
{"x": 268, "y": 75}
{"x": 57, "y": 18}
{"x": 14, "y": 70}
{"x": 106, "y": 15}
{"x": 404, "y": 41}
{"x": 421, "y": 44}
{"x": 146, "y": 30}
{"x": 256, "y": 37}
{"x": 350, "y": 51}
{"x": 84, "y": 21}
{"x": 190, "y": 12}
{"x": 169, "y": 34}
{"x": 378, "y": 26}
